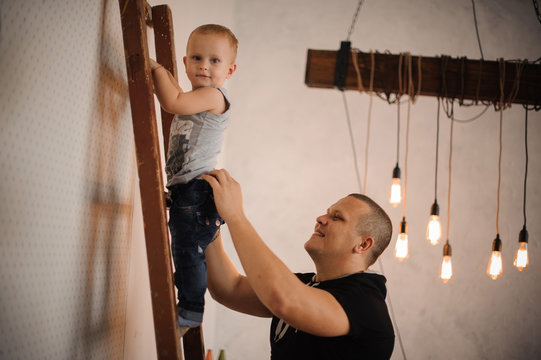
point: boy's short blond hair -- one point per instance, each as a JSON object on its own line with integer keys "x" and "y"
{"x": 221, "y": 30}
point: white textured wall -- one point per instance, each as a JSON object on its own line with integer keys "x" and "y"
{"x": 72, "y": 257}
{"x": 66, "y": 181}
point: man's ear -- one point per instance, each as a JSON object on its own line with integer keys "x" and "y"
{"x": 365, "y": 244}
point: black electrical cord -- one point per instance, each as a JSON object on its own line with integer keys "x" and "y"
{"x": 477, "y": 28}
{"x": 406, "y": 161}
{"x": 398, "y": 134}
{"x": 437, "y": 151}
{"x": 447, "y": 104}
{"x": 526, "y": 171}
{"x": 449, "y": 181}
{"x": 473, "y": 118}
{"x": 352, "y": 141}
{"x": 499, "y": 174}
{"x": 380, "y": 262}
{"x": 536, "y": 7}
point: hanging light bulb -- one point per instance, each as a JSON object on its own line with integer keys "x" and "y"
{"x": 521, "y": 257}
{"x": 495, "y": 267}
{"x": 395, "y": 194}
{"x": 401, "y": 248}
{"x": 433, "y": 230}
{"x": 446, "y": 272}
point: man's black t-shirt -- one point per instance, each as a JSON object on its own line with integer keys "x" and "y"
{"x": 362, "y": 296}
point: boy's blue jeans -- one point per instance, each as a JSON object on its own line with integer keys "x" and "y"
{"x": 193, "y": 222}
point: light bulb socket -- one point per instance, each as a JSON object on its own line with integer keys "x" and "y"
{"x": 396, "y": 172}
{"x": 447, "y": 249}
{"x": 497, "y": 244}
{"x": 403, "y": 226}
{"x": 523, "y": 235}
{"x": 435, "y": 208}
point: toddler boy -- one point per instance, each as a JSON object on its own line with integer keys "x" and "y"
{"x": 195, "y": 140}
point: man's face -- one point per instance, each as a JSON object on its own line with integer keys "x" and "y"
{"x": 209, "y": 60}
{"x": 335, "y": 233}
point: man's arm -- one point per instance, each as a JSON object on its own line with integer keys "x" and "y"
{"x": 309, "y": 309}
{"x": 227, "y": 286}
{"x": 176, "y": 101}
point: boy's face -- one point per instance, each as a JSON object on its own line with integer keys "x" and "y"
{"x": 209, "y": 60}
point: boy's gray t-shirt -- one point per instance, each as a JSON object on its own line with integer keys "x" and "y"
{"x": 194, "y": 144}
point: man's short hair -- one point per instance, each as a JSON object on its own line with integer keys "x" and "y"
{"x": 377, "y": 224}
{"x": 221, "y": 30}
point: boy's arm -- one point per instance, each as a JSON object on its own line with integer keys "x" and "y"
{"x": 176, "y": 101}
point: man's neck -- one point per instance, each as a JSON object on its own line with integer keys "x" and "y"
{"x": 329, "y": 273}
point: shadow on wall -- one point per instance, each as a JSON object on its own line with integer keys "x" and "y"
{"x": 103, "y": 305}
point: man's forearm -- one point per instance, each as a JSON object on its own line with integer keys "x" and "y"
{"x": 227, "y": 286}
{"x": 273, "y": 283}
{"x": 270, "y": 278}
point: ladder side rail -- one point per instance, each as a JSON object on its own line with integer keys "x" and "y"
{"x": 194, "y": 348}
{"x": 162, "y": 22}
{"x": 150, "y": 178}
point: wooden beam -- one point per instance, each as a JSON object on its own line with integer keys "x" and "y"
{"x": 464, "y": 79}
{"x": 150, "y": 178}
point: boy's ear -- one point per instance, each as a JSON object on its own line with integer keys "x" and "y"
{"x": 184, "y": 61}
{"x": 232, "y": 69}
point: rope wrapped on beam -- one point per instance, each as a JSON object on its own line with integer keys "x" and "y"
{"x": 465, "y": 79}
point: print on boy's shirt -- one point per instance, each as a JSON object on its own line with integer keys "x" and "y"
{"x": 180, "y": 138}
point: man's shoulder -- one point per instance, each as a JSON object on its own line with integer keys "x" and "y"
{"x": 363, "y": 283}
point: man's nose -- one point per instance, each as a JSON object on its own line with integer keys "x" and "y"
{"x": 322, "y": 220}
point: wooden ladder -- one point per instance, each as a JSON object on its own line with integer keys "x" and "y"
{"x": 135, "y": 16}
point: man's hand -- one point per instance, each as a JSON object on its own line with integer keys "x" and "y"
{"x": 227, "y": 194}
{"x": 154, "y": 65}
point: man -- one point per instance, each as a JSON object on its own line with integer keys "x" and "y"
{"x": 342, "y": 313}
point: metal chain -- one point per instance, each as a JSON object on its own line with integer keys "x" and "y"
{"x": 354, "y": 19}
{"x": 536, "y": 6}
